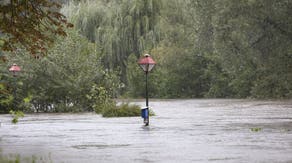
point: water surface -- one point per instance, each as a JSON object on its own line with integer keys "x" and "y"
{"x": 181, "y": 131}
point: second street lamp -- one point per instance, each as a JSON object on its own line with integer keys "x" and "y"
{"x": 147, "y": 64}
{"x": 14, "y": 69}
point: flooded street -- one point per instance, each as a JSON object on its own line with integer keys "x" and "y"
{"x": 181, "y": 131}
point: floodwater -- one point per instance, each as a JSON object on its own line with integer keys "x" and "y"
{"x": 182, "y": 131}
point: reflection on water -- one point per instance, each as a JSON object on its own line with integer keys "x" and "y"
{"x": 181, "y": 131}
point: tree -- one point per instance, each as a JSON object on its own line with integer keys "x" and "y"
{"x": 62, "y": 80}
{"x": 30, "y": 23}
{"x": 118, "y": 28}
{"x": 253, "y": 39}
{"x": 204, "y": 48}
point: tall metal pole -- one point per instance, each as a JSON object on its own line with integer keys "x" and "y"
{"x": 14, "y": 92}
{"x": 14, "y": 69}
{"x": 146, "y": 63}
{"x": 147, "y": 101}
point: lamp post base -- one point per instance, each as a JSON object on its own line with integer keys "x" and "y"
{"x": 145, "y": 115}
{"x": 146, "y": 122}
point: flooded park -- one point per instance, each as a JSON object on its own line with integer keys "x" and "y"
{"x": 213, "y": 130}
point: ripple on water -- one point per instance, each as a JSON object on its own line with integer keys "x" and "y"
{"x": 100, "y": 146}
{"x": 223, "y": 159}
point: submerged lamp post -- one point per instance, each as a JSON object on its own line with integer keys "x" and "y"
{"x": 14, "y": 69}
{"x": 147, "y": 64}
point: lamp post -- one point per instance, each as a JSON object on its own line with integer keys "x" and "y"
{"x": 147, "y": 64}
{"x": 14, "y": 69}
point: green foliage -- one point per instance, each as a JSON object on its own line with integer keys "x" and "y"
{"x": 224, "y": 49}
{"x": 253, "y": 38}
{"x": 61, "y": 81}
{"x": 256, "y": 129}
{"x": 118, "y": 28}
{"x": 27, "y": 99}
{"x": 123, "y": 110}
{"x": 101, "y": 99}
{"x": 16, "y": 115}
{"x": 16, "y": 158}
{"x": 217, "y": 79}
{"x": 6, "y": 159}
{"x": 135, "y": 78}
{"x": 203, "y": 48}
{"x": 32, "y": 24}
{"x": 6, "y": 99}
{"x": 107, "y": 107}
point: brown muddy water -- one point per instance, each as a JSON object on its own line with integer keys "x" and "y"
{"x": 182, "y": 131}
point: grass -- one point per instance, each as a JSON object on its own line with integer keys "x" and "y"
{"x": 16, "y": 158}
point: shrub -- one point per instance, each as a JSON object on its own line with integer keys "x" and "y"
{"x": 124, "y": 110}
{"x": 16, "y": 115}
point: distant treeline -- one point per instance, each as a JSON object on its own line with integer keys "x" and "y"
{"x": 204, "y": 48}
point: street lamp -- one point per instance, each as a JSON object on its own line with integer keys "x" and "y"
{"x": 14, "y": 69}
{"x": 147, "y": 64}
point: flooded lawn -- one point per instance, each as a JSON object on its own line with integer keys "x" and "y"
{"x": 181, "y": 131}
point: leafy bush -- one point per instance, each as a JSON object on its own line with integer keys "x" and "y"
{"x": 16, "y": 115}
{"x": 107, "y": 107}
{"x": 124, "y": 110}
{"x": 100, "y": 98}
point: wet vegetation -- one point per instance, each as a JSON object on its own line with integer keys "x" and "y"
{"x": 204, "y": 49}
{"x": 13, "y": 158}
{"x": 123, "y": 110}
{"x": 256, "y": 129}
{"x": 16, "y": 115}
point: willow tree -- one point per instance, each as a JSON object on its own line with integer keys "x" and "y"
{"x": 119, "y": 28}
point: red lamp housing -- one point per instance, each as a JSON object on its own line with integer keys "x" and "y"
{"x": 14, "y": 68}
{"x": 146, "y": 63}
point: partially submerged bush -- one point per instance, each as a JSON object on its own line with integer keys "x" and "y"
{"x": 124, "y": 110}
{"x": 107, "y": 107}
{"x": 15, "y": 115}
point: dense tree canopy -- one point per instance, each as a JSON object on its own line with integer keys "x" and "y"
{"x": 204, "y": 48}
{"x": 225, "y": 49}
{"x": 254, "y": 40}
